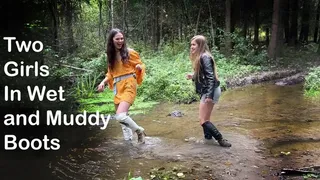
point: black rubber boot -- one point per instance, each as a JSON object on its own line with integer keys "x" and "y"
{"x": 216, "y": 134}
{"x": 206, "y": 133}
{"x": 212, "y": 130}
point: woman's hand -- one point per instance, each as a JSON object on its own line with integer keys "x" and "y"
{"x": 208, "y": 100}
{"x": 138, "y": 67}
{"x": 189, "y": 76}
{"x": 101, "y": 86}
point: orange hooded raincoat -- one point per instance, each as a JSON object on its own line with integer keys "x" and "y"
{"x": 126, "y": 89}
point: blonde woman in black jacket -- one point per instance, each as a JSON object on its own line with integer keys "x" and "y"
{"x": 207, "y": 86}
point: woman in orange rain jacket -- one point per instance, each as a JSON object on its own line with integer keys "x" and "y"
{"x": 125, "y": 71}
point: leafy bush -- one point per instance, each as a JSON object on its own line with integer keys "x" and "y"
{"x": 246, "y": 53}
{"x": 165, "y": 77}
{"x": 85, "y": 86}
{"x": 312, "y": 83}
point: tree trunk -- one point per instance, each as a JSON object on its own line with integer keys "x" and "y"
{"x": 198, "y": 19}
{"x": 294, "y": 22}
{"x": 281, "y": 25}
{"x": 124, "y": 15}
{"x": 186, "y": 12}
{"x": 245, "y": 14}
{"x": 157, "y": 25}
{"x": 316, "y": 28}
{"x": 228, "y": 27}
{"x": 100, "y": 16}
{"x": 286, "y": 23}
{"x": 111, "y": 13}
{"x": 145, "y": 29}
{"x": 53, "y": 10}
{"x": 155, "y": 29}
{"x": 245, "y": 25}
{"x": 212, "y": 30}
{"x": 256, "y": 23}
{"x": 304, "y": 33}
{"x": 69, "y": 28}
{"x": 161, "y": 22}
{"x": 267, "y": 36}
{"x": 272, "y": 53}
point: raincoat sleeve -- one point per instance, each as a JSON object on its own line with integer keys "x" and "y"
{"x": 134, "y": 60}
{"x": 110, "y": 79}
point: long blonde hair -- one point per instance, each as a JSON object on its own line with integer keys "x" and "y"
{"x": 203, "y": 48}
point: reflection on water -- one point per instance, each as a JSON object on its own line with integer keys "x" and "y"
{"x": 281, "y": 117}
{"x": 276, "y": 113}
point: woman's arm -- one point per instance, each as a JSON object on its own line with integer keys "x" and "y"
{"x": 138, "y": 65}
{"x": 105, "y": 80}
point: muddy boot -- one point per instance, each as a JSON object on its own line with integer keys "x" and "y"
{"x": 124, "y": 119}
{"x": 127, "y": 132}
{"x": 224, "y": 143}
{"x": 216, "y": 134}
{"x": 141, "y": 136}
{"x": 212, "y": 130}
{"x": 207, "y": 136}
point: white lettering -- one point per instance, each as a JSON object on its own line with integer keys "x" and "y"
{"x": 9, "y": 42}
{"x": 35, "y": 144}
{"x": 23, "y": 46}
{"x": 51, "y": 94}
{"x": 12, "y": 141}
{"x": 23, "y": 119}
{"x": 53, "y": 120}
{"x": 25, "y": 70}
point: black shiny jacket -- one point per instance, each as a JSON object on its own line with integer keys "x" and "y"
{"x": 207, "y": 82}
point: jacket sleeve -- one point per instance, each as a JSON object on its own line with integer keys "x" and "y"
{"x": 134, "y": 60}
{"x": 110, "y": 79}
{"x": 208, "y": 73}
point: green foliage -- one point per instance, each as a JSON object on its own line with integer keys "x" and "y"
{"x": 85, "y": 85}
{"x": 312, "y": 83}
{"x": 162, "y": 173}
{"x": 246, "y": 53}
{"x": 166, "y": 75}
{"x": 97, "y": 64}
{"x": 165, "y": 78}
{"x": 313, "y": 176}
{"x": 89, "y": 33}
{"x": 130, "y": 177}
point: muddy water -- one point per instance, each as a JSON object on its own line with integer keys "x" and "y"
{"x": 261, "y": 121}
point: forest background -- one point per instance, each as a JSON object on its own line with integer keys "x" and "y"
{"x": 245, "y": 36}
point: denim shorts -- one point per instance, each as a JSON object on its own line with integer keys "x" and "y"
{"x": 216, "y": 96}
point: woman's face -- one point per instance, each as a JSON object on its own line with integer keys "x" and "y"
{"x": 193, "y": 47}
{"x": 118, "y": 40}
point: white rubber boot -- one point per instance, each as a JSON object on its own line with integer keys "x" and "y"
{"x": 125, "y": 120}
{"x": 127, "y": 132}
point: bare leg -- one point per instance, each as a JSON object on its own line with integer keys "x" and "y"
{"x": 205, "y": 110}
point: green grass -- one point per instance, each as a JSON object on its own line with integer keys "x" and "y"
{"x": 312, "y": 83}
{"x": 103, "y": 102}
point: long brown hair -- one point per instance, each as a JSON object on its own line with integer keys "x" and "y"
{"x": 202, "y": 49}
{"x": 111, "y": 49}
